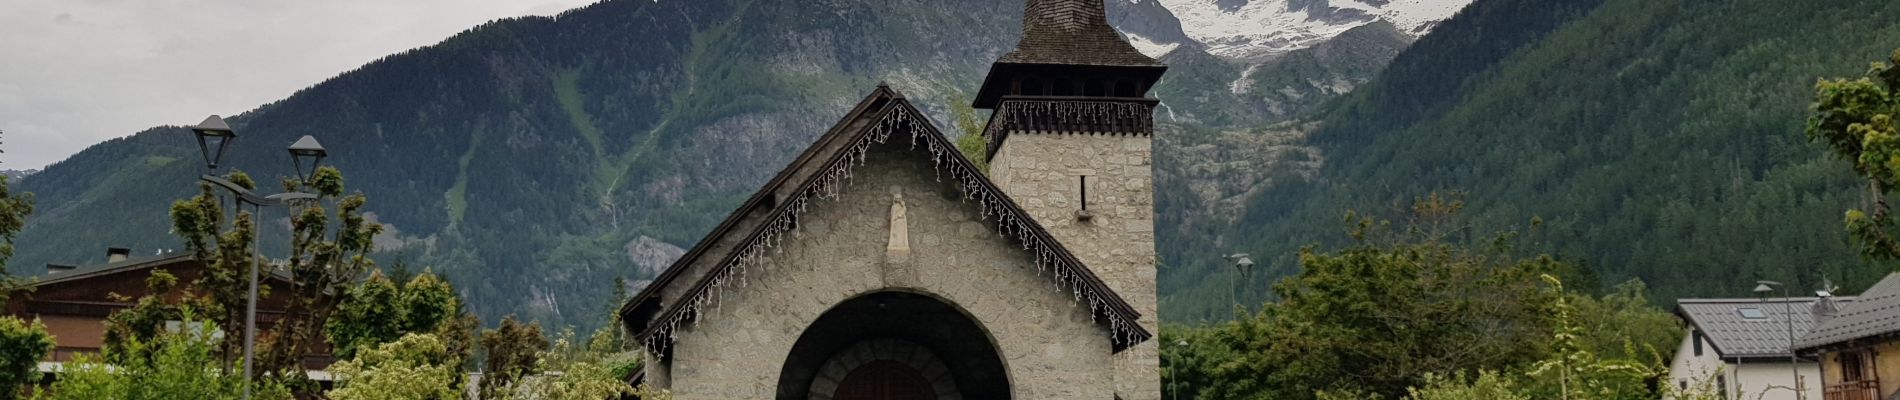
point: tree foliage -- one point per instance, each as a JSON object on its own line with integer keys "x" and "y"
{"x": 969, "y": 128}
{"x": 1487, "y": 385}
{"x": 422, "y": 367}
{"x": 176, "y": 364}
{"x": 22, "y": 345}
{"x": 145, "y": 320}
{"x": 513, "y": 350}
{"x": 227, "y": 254}
{"x": 578, "y": 371}
{"x": 378, "y": 310}
{"x": 14, "y": 208}
{"x": 1856, "y": 119}
{"x": 1419, "y": 308}
{"x": 1573, "y": 371}
{"x": 415, "y": 367}
{"x": 328, "y": 254}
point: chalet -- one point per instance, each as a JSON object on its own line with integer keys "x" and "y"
{"x": 1859, "y": 346}
{"x": 74, "y": 301}
{"x": 1740, "y": 347}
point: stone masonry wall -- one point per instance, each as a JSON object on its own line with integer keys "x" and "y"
{"x": 1050, "y": 347}
{"x": 1041, "y": 172}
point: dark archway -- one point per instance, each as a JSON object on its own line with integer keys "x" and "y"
{"x": 952, "y": 338}
{"x": 885, "y": 380}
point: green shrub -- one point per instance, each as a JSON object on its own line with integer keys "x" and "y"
{"x": 410, "y": 368}
{"x": 173, "y": 365}
{"x": 22, "y": 345}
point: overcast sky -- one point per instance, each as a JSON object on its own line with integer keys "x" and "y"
{"x": 76, "y": 72}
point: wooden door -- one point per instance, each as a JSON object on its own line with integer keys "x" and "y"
{"x": 884, "y": 380}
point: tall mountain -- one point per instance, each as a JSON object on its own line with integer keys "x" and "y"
{"x": 1654, "y": 139}
{"x": 1258, "y": 29}
{"x": 531, "y": 160}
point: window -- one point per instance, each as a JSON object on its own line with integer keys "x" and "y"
{"x": 1064, "y": 87}
{"x": 1721, "y": 386}
{"x": 1852, "y": 367}
{"x": 1125, "y": 88}
{"x": 1697, "y": 338}
{"x": 1752, "y": 313}
{"x": 1084, "y": 192}
{"x": 1033, "y": 87}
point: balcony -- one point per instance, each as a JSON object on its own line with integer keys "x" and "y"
{"x": 1853, "y": 390}
{"x": 1069, "y": 114}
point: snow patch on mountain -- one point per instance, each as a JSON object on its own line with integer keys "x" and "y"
{"x": 1245, "y": 83}
{"x": 1252, "y": 29}
{"x": 1150, "y": 47}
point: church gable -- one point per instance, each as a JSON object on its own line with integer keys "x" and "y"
{"x": 896, "y": 255}
{"x": 885, "y": 124}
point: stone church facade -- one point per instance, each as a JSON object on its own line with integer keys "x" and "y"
{"x": 881, "y": 264}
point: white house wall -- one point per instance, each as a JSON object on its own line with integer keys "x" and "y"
{"x": 1763, "y": 380}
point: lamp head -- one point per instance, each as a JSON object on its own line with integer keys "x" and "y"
{"x": 307, "y": 151}
{"x": 214, "y": 135}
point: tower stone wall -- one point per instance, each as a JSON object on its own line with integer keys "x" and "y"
{"x": 1051, "y": 175}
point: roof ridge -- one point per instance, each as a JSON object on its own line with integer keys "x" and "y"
{"x": 1731, "y": 300}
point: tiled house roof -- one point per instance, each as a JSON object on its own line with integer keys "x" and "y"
{"x": 1751, "y": 327}
{"x": 1875, "y": 316}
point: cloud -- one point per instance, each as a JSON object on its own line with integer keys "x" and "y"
{"x": 73, "y": 73}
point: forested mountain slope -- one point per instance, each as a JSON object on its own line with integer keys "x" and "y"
{"x": 532, "y": 160}
{"x": 1654, "y": 139}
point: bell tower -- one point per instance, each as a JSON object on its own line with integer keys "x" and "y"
{"x": 1070, "y": 138}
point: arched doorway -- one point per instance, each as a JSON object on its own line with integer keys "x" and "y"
{"x": 893, "y": 346}
{"x": 884, "y": 380}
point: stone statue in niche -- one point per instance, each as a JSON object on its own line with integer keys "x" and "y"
{"x": 898, "y": 249}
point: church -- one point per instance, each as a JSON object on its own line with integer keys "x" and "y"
{"x": 883, "y": 264}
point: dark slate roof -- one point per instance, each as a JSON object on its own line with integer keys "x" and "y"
{"x": 132, "y": 264}
{"x": 1876, "y": 315}
{"x": 1072, "y": 32}
{"x": 1733, "y": 335}
{"x": 129, "y": 264}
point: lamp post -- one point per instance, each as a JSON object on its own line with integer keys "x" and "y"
{"x": 1243, "y": 266}
{"x": 214, "y": 132}
{"x": 1765, "y": 288}
{"x": 1174, "y": 388}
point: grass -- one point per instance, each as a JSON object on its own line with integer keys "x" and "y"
{"x": 457, "y": 196}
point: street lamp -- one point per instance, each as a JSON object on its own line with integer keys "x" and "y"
{"x": 1174, "y": 387}
{"x": 1243, "y": 266}
{"x": 214, "y": 132}
{"x": 1765, "y": 288}
{"x": 306, "y": 148}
